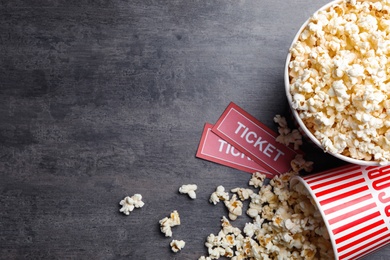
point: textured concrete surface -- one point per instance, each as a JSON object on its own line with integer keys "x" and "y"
{"x": 103, "y": 99}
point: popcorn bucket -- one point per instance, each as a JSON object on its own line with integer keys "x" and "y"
{"x": 354, "y": 202}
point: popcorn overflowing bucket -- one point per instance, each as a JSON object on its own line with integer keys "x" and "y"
{"x": 354, "y": 202}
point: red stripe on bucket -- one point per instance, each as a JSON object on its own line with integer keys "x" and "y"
{"x": 347, "y": 204}
{"x": 352, "y": 213}
{"x": 366, "y": 244}
{"x": 312, "y": 178}
{"x": 341, "y": 179}
{"x": 344, "y": 195}
{"x": 385, "y": 241}
{"x": 339, "y": 187}
{"x": 356, "y": 222}
{"x": 358, "y": 232}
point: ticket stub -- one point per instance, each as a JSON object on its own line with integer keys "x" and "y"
{"x": 215, "y": 149}
{"x": 251, "y": 137}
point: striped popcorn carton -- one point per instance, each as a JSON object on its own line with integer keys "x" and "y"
{"x": 354, "y": 202}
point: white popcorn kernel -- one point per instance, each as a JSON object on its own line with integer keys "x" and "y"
{"x": 286, "y": 136}
{"x": 250, "y": 229}
{"x": 204, "y": 258}
{"x": 129, "y": 203}
{"x": 258, "y": 178}
{"x": 367, "y": 22}
{"x": 189, "y": 189}
{"x": 219, "y": 195}
{"x": 177, "y": 245}
{"x": 227, "y": 228}
{"x": 167, "y": 223}
{"x": 309, "y": 250}
{"x": 242, "y": 193}
{"x": 165, "y": 227}
{"x": 294, "y": 137}
{"x": 299, "y": 163}
{"x": 234, "y": 206}
{"x": 138, "y": 203}
{"x": 253, "y": 212}
{"x": 356, "y": 70}
{"x": 299, "y": 102}
{"x": 283, "y": 127}
{"x": 216, "y": 253}
{"x": 339, "y": 90}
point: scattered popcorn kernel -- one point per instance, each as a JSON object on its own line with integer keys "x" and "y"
{"x": 298, "y": 164}
{"x": 189, "y": 189}
{"x": 234, "y": 206}
{"x": 138, "y": 203}
{"x": 177, "y": 245}
{"x": 219, "y": 195}
{"x": 166, "y": 223}
{"x": 242, "y": 193}
{"x": 257, "y": 179}
{"x": 286, "y": 136}
{"x": 129, "y": 203}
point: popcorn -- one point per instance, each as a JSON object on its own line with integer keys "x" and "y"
{"x": 177, "y": 245}
{"x": 166, "y": 223}
{"x": 286, "y": 223}
{"x": 298, "y": 164}
{"x": 339, "y": 80}
{"x": 219, "y": 195}
{"x": 234, "y": 206}
{"x": 189, "y": 189}
{"x": 257, "y": 179}
{"x": 286, "y": 136}
{"x": 243, "y": 193}
{"x": 129, "y": 203}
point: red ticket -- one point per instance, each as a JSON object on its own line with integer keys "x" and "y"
{"x": 215, "y": 149}
{"x": 254, "y": 139}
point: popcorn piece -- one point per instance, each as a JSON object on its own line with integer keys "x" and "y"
{"x": 138, "y": 203}
{"x": 242, "y": 193}
{"x": 166, "y": 223}
{"x": 219, "y": 195}
{"x": 234, "y": 206}
{"x": 255, "y": 206}
{"x": 228, "y": 229}
{"x": 339, "y": 80}
{"x": 177, "y": 245}
{"x": 299, "y": 163}
{"x": 257, "y": 179}
{"x": 189, "y": 189}
{"x": 286, "y": 136}
{"x": 129, "y": 203}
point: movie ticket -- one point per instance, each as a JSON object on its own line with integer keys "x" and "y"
{"x": 215, "y": 149}
{"x": 254, "y": 139}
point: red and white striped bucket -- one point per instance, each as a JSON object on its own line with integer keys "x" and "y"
{"x": 355, "y": 204}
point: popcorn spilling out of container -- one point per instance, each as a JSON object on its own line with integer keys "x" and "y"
{"x": 337, "y": 79}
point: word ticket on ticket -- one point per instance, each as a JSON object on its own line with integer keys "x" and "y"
{"x": 215, "y": 149}
{"x": 254, "y": 139}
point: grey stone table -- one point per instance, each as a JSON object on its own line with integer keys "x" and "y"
{"x": 103, "y": 99}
